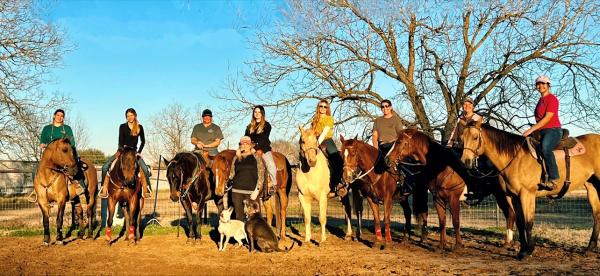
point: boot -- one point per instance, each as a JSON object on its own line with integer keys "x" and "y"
{"x": 547, "y": 185}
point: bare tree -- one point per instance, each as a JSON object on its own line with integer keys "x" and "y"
{"x": 170, "y": 131}
{"x": 29, "y": 48}
{"x": 433, "y": 54}
{"x": 80, "y": 131}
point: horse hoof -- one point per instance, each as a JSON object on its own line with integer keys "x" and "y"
{"x": 458, "y": 248}
{"x": 46, "y": 244}
{"x": 522, "y": 255}
{"x": 60, "y": 243}
{"x": 348, "y": 237}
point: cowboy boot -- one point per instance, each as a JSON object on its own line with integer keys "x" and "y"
{"x": 548, "y": 185}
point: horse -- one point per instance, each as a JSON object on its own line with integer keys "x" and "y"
{"x": 221, "y": 168}
{"x": 190, "y": 182}
{"x": 312, "y": 179}
{"x": 521, "y": 174}
{"x": 51, "y": 182}
{"x": 445, "y": 176}
{"x": 359, "y": 163}
{"x": 124, "y": 183}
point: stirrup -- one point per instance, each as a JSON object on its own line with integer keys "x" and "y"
{"x": 32, "y": 197}
{"x": 147, "y": 195}
{"x": 101, "y": 195}
{"x": 271, "y": 190}
{"x": 547, "y": 185}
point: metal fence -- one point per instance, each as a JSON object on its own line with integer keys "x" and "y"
{"x": 572, "y": 212}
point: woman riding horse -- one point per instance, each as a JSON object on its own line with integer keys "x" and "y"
{"x": 259, "y": 130}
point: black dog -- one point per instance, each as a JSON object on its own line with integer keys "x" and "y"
{"x": 258, "y": 230}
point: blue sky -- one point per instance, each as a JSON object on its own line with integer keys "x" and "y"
{"x": 148, "y": 54}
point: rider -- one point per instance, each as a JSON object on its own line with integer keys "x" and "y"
{"x": 206, "y": 137}
{"x": 456, "y": 143}
{"x": 548, "y": 124}
{"x": 58, "y": 129}
{"x": 322, "y": 126}
{"x": 385, "y": 133}
{"x": 247, "y": 176}
{"x": 130, "y": 133}
{"x": 258, "y": 130}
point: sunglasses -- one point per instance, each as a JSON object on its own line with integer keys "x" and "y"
{"x": 385, "y": 106}
{"x": 245, "y": 143}
{"x": 322, "y": 106}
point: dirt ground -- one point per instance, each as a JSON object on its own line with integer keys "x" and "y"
{"x": 167, "y": 255}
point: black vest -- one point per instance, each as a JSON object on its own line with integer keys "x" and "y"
{"x": 246, "y": 173}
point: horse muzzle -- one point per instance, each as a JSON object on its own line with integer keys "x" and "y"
{"x": 174, "y": 196}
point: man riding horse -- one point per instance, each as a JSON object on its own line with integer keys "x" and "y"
{"x": 206, "y": 137}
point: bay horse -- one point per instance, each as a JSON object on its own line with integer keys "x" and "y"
{"x": 124, "y": 183}
{"x": 445, "y": 176}
{"x": 359, "y": 162}
{"x": 521, "y": 174}
{"x": 312, "y": 179}
{"x": 53, "y": 183}
{"x": 190, "y": 182}
{"x": 279, "y": 201}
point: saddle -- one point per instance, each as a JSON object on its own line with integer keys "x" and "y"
{"x": 567, "y": 147}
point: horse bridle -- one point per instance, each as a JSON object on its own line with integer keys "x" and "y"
{"x": 190, "y": 181}
{"x": 399, "y": 163}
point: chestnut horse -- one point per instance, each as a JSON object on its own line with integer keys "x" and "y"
{"x": 54, "y": 173}
{"x": 221, "y": 168}
{"x": 521, "y": 173}
{"x": 444, "y": 175}
{"x": 190, "y": 182}
{"x": 124, "y": 183}
{"x": 359, "y": 162}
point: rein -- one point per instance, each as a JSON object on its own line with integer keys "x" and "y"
{"x": 189, "y": 182}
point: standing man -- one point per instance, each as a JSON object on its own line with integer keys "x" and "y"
{"x": 206, "y": 137}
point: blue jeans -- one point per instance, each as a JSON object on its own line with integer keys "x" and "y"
{"x": 550, "y": 139}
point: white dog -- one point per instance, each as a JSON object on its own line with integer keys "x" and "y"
{"x": 230, "y": 228}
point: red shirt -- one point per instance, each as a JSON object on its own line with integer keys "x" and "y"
{"x": 548, "y": 103}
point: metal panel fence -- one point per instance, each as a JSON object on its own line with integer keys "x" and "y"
{"x": 572, "y": 213}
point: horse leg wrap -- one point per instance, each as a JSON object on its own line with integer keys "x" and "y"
{"x": 388, "y": 235}
{"x": 131, "y": 232}
{"x": 108, "y": 233}
{"x": 378, "y": 233}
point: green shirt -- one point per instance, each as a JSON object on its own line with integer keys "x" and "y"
{"x": 51, "y": 133}
{"x": 207, "y": 135}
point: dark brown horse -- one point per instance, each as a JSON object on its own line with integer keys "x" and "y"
{"x": 521, "y": 174}
{"x": 124, "y": 183}
{"x": 190, "y": 184}
{"x": 53, "y": 183}
{"x": 221, "y": 168}
{"x": 359, "y": 163}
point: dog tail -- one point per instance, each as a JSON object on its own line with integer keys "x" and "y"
{"x": 290, "y": 248}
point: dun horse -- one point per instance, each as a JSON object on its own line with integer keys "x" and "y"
{"x": 54, "y": 173}
{"x": 222, "y": 166}
{"x": 521, "y": 173}
{"x": 125, "y": 183}
{"x": 189, "y": 183}
{"x": 444, "y": 175}
{"x": 312, "y": 179}
{"x": 359, "y": 163}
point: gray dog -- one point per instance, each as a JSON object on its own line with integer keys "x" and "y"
{"x": 258, "y": 230}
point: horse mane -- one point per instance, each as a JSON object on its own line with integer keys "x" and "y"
{"x": 128, "y": 163}
{"x": 506, "y": 143}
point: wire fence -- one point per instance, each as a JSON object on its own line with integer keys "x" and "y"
{"x": 569, "y": 213}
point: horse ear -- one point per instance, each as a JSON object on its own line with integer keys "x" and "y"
{"x": 478, "y": 123}
{"x": 301, "y": 129}
{"x": 356, "y": 137}
{"x": 341, "y": 138}
{"x": 165, "y": 161}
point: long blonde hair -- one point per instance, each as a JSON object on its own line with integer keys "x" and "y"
{"x": 317, "y": 117}
{"x": 254, "y": 127}
{"x": 135, "y": 128}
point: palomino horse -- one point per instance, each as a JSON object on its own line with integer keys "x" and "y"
{"x": 189, "y": 183}
{"x": 359, "y": 163}
{"x": 221, "y": 168}
{"x": 521, "y": 173}
{"x": 50, "y": 185}
{"x": 312, "y": 179}
{"x": 444, "y": 175}
{"x": 124, "y": 183}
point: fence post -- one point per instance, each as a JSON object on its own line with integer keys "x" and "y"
{"x": 154, "y": 218}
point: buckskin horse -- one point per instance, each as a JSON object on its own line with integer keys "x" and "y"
{"x": 444, "y": 175}
{"x": 51, "y": 182}
{"x": 190, "y": 184}
{"x": 521, "y": 173}
{"x": 221, "y": 168}
{"x": 359, "y": 163}
{"x": 124, "y": 183}
{"x": 312, "y": 179}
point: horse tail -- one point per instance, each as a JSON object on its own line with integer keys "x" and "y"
{"x": 288, "y": 185}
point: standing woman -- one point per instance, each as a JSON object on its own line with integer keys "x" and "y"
{"x": 548, "y": 124}
{"x": 259, "y": 130}
{"x": 247, "y": 176}
{"x": 322, "y": 126}
{"x": 130, "y": 133}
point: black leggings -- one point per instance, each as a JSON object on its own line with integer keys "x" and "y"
{"x": 238, "y": 205}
